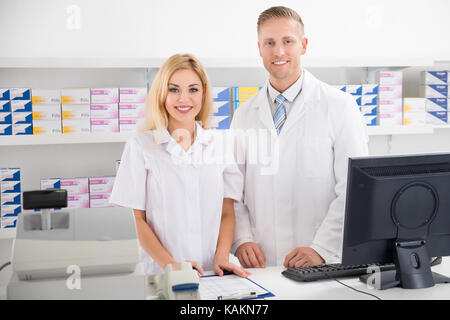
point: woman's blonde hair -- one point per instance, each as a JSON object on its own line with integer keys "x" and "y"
{"x": 156, "y": 115}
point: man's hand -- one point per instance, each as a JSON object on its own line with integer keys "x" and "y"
{"x": 303, "y": 257}
{"x": 250, "y": 255}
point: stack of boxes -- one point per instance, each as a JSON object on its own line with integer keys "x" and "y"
{"x": 221, "y": 118}
{"x": 390, "y": 94}
{"x": 131, "y": 108}
{"x": 77, "y": 192}
{"x": 105, "y": 110}
{"x": 100, "y": 189}
{"x": 76, "y": 111}
{"x": 46, "y": 106}
{"x": 5, "y": 113}
{"x": 10, "y": 191}
{"x": 243, "y": 94}
{"x": 22, "y": 118}
{"x": 434, "y": 90}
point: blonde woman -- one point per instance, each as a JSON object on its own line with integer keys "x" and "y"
{"x": 184, "y": 209}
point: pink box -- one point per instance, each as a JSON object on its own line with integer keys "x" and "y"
{"x": 105, "y": 111}
{"x": 78, "y": 200}
{"x": 131, "y": 110}
{"x": 133, "y": 94}
{"x": 390, "y": 78}
{"x": 389, "y": 92}
{"x": 104, "y": 95}
{"x": 104, "y": 125}
{"x": 99, "y": 200}
{"x": 75, "y": 185}
{"x": 101, "y": 184}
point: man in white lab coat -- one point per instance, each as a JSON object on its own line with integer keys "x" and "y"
{"x": 292, "y": 213}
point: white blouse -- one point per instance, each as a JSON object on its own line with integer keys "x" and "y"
{"x": 181, "y": 191}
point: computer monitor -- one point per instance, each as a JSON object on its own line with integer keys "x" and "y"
{"x": 398, "y": 210}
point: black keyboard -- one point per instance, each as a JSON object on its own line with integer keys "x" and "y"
{"x": 331, "y": 271}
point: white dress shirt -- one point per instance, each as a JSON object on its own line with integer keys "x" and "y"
{"x": 290, "y": 94}
{"x": 181, "y": 193}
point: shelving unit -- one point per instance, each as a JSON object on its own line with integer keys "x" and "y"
{"x": 28, "y": 140}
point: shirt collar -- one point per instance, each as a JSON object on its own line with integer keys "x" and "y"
{"x": 290, "y": 93}
{"x": 200, "y": 135}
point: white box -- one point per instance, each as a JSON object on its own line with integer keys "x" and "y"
{"x": 20, "y": 94}
{"x": 101, "y": 184}
{"x": 78, "y": 200}
{"x": 51, "y": 183}
{"x": 369, "y": 100}
{"x": 389, "y": 92}
{"x": 414, "y": 105}
{"x": 390, "y": 78}
{"x": 47, "y": 112}
{"x": 128, "y": 125}
{"x": 104, "y": 95}
{"x": 76, "y": 96}
{"x": 131, "y": 110}
{"x": 369, "y": 88}
{"x": 414, "y": 118}
{"x": 45, "y": 96}
{"x": 5, "y": 117}
{"x": 47, "y": 127}
{"x": 434, "y": 77}
{"x": 22, "y": 129}
{"x": 434, "y": 91}
{"x": 9, "y": 174}
{"x": 22, "y": 118}
{"x": 5, "y": 129}
{"x": 104, "y": 125}
{"x": 8, "y": 222}
{"x": 133, "y": 94}
{"x": 436, "y": 104}
{"x": 370, "y": 120}
{"x": 391, "y": 108}
{"x": 75, "y": 185}
{"x": 76, "y": 126}
{"x": 9, "y": 198}
{"x": 99, "y": 200}
{"x": 11, "y": 210}
{"x": 354, "y": 89}
{"x": 437, "y": 117}
{"x": 21, "y": 106}
{"x": 76, "y": 111}
{"x": 390, "y": 119}
{"x": 9, "y": 186}
{"x": 105, "y": 111}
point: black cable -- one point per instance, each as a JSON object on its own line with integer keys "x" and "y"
{"x": 5, "y": 265}
{"x": 346, "y": 285}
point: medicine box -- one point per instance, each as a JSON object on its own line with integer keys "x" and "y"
{"x": 76, "y": 111}
{"x": 414, "y": 118}
{"x": 8, "y": 222}
{"x": 370, "y": 120}
{"x": 389, "y": 92}
{"x": 243, "y": 94}
{"x": 47, "y": 127}
{"x": 51, "y": 183}
{"x": 221, "y": 93}
{"x": 104, "y": 125}
{"x": 76, "y": 126}
{"x": 414, "y": 104}
{"x": 132, "y": 94}
{"x": 75, "y": 185}
{"x": 436, "y": 104}
{"x": 4, "y": 94}
{"x": 5, "y": 106}
{"x": 390, "y": 119}
{"x": 221, "y": 108}
{"x": 128, "y": 125}
{"x": 5, "y": 129}
{"x": 22, "y": 129}
{"x": 9, "y": 174}
{"x": 434, "y": 77}
{"x": 76, "y": 96}
{"x": 437, "y": 117}
{"x": 11, "y": 210}
{"x": 9, "y": 198}
{"x": 131, "y": 110}
{"x": 47, "y": 112}
{"x": 220, "y": 122}
{"x": 357, "y": 99}
{"x": 22, "y": 118}
{"x": 104, "y": 111}
{"x": 340, "y": 87}
{"x": 354, "y": 89}
{"x": 434, "y": 91}
{"x": 10, "y": 187}
{"x": 369, "y": 100}
{"x": 21, "y": 106}
{"x": 20, "y": 94}
{"x": 78, "y": 200}
{"x": 101, "y": 184}
{"x": 370, "y": 88}
{"x": 99, "y": 200}
{"x": 45, "y": 96}
{"x": 104, "y": 95}
{"x": 5, "y": 118}
{"x": 369, "y": 110}
{"x": 389, "y": 78}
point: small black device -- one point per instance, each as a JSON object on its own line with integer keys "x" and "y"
{"x": 45, "y": 199}
{"x": 398, "y": 211}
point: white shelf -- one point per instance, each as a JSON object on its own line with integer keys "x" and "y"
{"x": 8, "y": 233}
{"x": 99, "y": 62}
{"x": 399, "y": 130}
{"x": 24, "y": 140}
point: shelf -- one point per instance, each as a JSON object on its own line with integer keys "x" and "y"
{"x": 255, "y": 62}
{"x": 9, "y": 233}
{"x": 399, "y": 130}
{"x": 24, "y": 140}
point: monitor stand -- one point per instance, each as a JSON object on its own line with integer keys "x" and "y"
{"x": 412, "y": 269}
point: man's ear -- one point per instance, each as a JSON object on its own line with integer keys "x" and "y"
{"x": 304, "y": 45}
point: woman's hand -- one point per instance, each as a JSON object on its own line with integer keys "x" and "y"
{"x": 195, "y": 266}
{"x": 221, "y": 265}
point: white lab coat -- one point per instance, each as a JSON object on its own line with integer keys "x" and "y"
{"x": 302, "y": 203}
{"x": 181, "y": 192}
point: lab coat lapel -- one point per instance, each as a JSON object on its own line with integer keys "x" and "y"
{"x": 264, "y": 113}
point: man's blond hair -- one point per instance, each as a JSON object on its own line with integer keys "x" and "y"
{"x": 280, "y": 12}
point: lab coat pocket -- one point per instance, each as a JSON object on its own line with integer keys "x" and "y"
{"x": 314, "y": 157}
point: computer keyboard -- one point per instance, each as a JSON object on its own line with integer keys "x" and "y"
{"x": 331, "y": 271}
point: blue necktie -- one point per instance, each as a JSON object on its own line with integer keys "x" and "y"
{"x": 280, "y": 115}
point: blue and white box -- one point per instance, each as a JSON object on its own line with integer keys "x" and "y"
{"x": 221, "y": 108}
{"x": 434, "y": 77}
{"x": 5, "y": 118}
{"x": 9, "y": 174}
{"x": 22, "y": 118}
{"x": 354, "y": 89}
{"x": 5, "y": 106}
{"x": 8, "y": 222}
{"x": 370, "y": 120}
{"x": 11, "y": 210}
{"x": 437, "y": 117}
{"x": 369, "y": 100}
{"x": 9, "y": 198}
{"x": 4, "y": 94}
{"x": 50, "y": 183}
{"x": 9, "y": 187}
{"x": 340, "y": 87}
{"x": 5, "y": 129}
{"x": 357, "y": 99}
{"x": 370, "y": 88}
{"x": 22, "y": 129}
{"x": 368, "y": 110}
{"x": 20, "y": 94}
{"x": 21, "y": 106}
{"x": 436, "y": 104}
{"x": 434, "y": 91}
{"x": 221, "y": 93}
{"x": 221, "y": 122}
